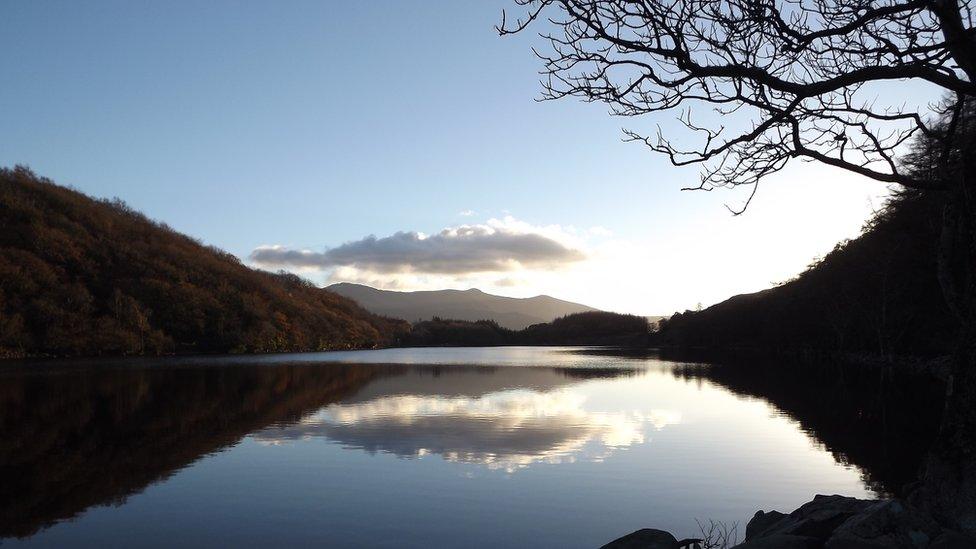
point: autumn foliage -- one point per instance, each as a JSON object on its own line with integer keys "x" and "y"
{"x": 80, "y": 276}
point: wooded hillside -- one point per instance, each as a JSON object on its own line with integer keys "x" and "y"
{"x": 80, "y": 276}
{"x": 878, "y": 293}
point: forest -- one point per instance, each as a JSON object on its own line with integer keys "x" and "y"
{"x": 84, "y": 277}
{"x": 586, "y": 328}
{"x": 876, "y": 294}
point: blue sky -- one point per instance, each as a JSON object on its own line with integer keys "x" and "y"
{"x": 307, "y": 125}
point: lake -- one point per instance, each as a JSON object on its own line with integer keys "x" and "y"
{"x": 449, "y": 447}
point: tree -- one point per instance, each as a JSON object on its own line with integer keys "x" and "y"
{"x": 797, "y": 79}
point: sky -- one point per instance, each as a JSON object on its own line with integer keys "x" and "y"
{"x": 394, "y": 143}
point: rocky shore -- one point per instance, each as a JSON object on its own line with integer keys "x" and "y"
{"x": 829, "y": 522}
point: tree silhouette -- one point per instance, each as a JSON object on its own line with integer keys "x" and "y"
{"x": 799, "y": 79}
{"x": 799, "y": 70}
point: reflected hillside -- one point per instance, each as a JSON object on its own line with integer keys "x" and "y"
{"x": 879, "y": 419}
{"x": 90, "y": 437}
{"x": 79, "y": 437}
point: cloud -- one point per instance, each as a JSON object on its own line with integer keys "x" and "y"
{"x": 507, "y": 282}
{"x": 467, "y": 213}
{"x": 356, "y": 276}
{"x": 498, "y": 246}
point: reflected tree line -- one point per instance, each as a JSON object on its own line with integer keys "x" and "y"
{"x": 75, "y": 439}
{"x": 881, "y": 419}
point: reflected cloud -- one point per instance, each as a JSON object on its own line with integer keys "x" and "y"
{"x": 507, "y": 430}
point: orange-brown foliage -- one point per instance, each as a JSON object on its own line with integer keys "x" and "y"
{"x": 80, "y": 276}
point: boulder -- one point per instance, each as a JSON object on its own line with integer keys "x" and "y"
{"x": 646, "y": 538}
{"x": 953, "y": 540}
{"x": 782, "y": 541}
{"x": 761, "y": 522}
{"x": 817, "y": 518}
{"x": 830, "y": 522}
{"x": 885, "y": 524}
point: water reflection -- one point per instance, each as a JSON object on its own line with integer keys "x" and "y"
{"x": 507, "y": 430}
{"x": 74, "y": 437}
{"x": 882, "y": 420}
{"x": 78, "y": 437}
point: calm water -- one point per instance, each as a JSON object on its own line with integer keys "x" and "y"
{"x": 408, "y": 447}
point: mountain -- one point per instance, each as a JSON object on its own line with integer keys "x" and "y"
{"x": 80, "y": 276}
{"x": 508, "y": 312}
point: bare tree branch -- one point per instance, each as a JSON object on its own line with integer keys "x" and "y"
{"x": 793, "y": 78}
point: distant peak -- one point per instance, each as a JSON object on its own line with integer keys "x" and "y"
{"x": 474, "y": 291}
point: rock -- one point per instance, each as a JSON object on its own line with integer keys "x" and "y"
{"x": 829, "y": 522}
{"x": 782, "y": 541}
{"x": 818, "y": 518}
{"x": 885, "y": 524}
{"x": 761, "y": 522}
{"x": 646, "y": 538}
{"x": 953, "y": 540}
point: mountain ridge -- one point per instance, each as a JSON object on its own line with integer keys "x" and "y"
{"x": 470, "y": 305}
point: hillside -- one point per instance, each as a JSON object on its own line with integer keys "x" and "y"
{"x": 876, "y": 294}
{"x": 471, "y": 305}
{"x": 80, "y": 276}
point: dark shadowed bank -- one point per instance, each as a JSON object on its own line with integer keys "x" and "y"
{"x": 876, "y": 295}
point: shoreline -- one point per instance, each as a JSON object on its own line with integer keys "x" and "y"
{"x": 826, "y": 521}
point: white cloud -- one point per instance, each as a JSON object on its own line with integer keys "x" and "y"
{"x": 500, "y": 245}
{"x": 673, "y": 260}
